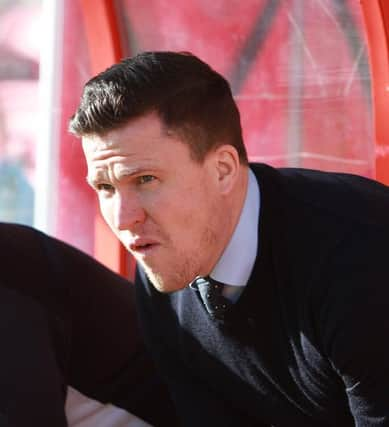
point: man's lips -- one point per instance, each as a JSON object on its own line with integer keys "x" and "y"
{"x": 142, "y": 246}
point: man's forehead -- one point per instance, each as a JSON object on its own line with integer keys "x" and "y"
{"x": 94, "y": 142}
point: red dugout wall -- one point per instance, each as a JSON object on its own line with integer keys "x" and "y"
{"x": 299, "y": 71}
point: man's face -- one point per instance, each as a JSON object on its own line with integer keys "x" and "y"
{"x": 162, "y": 205}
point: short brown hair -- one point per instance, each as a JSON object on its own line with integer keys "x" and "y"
{"x": 190, "y": 98}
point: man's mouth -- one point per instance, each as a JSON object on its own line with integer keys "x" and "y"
{"x": 143, "y": 246}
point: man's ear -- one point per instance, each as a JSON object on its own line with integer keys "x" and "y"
{"x": 227, "y": 165}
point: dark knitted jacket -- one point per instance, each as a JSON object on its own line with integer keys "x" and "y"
{"x": 307, "y": 344}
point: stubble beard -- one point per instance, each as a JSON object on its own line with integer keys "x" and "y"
{"x": 184, "y": 267}
{"x": 170, "y": 281}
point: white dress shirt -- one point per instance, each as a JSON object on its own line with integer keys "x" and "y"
{"x": 238, "y": 259}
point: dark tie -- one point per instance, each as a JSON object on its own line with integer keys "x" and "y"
{"x": 211, "y": 293}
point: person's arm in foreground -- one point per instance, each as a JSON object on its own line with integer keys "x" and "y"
{"x": 67, "y": 320}
{"x": 354, "y": 324}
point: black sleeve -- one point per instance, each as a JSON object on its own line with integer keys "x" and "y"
{"x": 32, "y": 386}
{"x": 107, "y": 359}
{"x": 32, "y": 390}
{"x": 91, "y": 322}
{"x": 354, "y": 323}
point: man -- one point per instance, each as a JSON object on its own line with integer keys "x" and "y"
{"x": 67, "y": 320}
{"x": 299, "y": 336}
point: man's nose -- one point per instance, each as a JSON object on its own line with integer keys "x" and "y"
{"x": 129, "y": 213}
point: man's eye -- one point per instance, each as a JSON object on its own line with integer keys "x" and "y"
{"x": 105, "y": 187}
{"x": 145, "y": 178}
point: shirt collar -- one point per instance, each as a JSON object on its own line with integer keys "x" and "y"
{"x": 237, "y": 261}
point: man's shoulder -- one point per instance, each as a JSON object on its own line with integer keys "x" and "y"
{"x": 338, "y": 194}
{"x": 308, "y": 179}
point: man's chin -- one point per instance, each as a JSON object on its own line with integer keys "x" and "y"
{"x": 167, "y": 288}
{"x": 163, "y": 284}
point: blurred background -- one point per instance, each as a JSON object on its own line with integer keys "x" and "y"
{"x": 300, "y": 70}
{"x": 19, "y": 79}
{"x": 311, "y": 78}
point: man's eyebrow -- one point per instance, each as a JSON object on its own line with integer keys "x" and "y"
{"x": 129, "y": 172}
{"x": 125, "y": 173}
